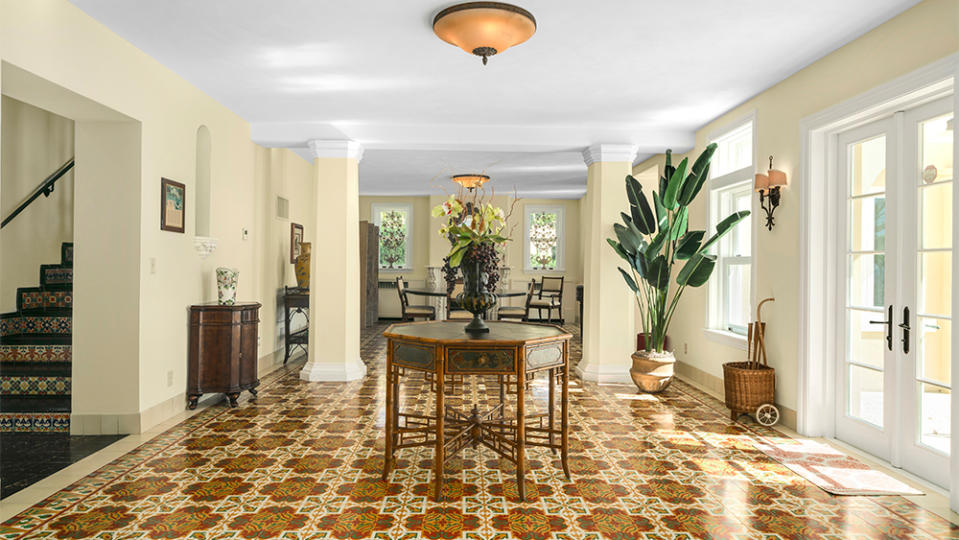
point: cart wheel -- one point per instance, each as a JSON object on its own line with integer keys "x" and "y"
{"x": 767, "y": 414}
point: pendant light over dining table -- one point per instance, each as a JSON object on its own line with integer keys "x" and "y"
{"x": 484, "y": 28}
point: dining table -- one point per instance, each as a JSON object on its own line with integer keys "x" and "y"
{"x": 437, "y": 297}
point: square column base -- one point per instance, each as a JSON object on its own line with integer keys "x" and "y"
{"x": 603, "y": 373}
{"x": 350, "y": 370}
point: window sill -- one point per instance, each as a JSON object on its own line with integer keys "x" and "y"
{"x": 540, "y": 271}
{"x": 723, "y": 337}
{"x": 388, "y": 270}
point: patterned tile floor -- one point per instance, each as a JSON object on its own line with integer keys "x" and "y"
{"x": 304, "y": 462}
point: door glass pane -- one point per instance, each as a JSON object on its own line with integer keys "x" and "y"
{"x": 867, "y": 169}
{"x": 935, "y": 349}
{"x": 867, "y": 223}
{"x": 865, "y": 394}
{"x": 866, "y": 280}
{"x": 935, "y": 283}
{"x": 935, "y": 213}
{"x": 866, "y": 340}
{"x": 934, "y": 417}
{"x": 936, "y": 147}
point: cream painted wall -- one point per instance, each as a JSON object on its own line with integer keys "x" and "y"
{"x": 279, "y": 173}
{"x": 922, "y": 34}
{"x": 56, "y": 42}
{"x": 34, "y": 143}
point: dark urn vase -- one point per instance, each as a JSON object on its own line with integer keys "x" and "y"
{"x": 475, "y": 298}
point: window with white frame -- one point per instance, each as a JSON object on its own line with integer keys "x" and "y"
{"x": 731, "y": 190}
{"x": 395, "y": 222}
{"x": 544, "y": 238}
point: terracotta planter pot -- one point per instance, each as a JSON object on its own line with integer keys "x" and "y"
{"x": 652, "y": 371}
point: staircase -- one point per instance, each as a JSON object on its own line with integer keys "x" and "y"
{"x": 35, "y": 353}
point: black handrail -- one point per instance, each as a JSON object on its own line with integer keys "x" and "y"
{"x": 45, "y": 188}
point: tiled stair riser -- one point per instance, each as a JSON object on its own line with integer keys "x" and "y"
{"x": 33, "y": 386}
{"x": 30, "y": 324}
{"x": 35, "y": 422}
{"x": 36, "y": 353}
{"x": 31, "y": 299}
{"x": 56, "y": 275}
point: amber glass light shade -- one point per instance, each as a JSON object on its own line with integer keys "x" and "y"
{"x": 484, "y": 28}
{"x": 471, "y": 181}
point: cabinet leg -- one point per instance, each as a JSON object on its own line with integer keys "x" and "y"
{"x": 233, "y": 397}
{"x": 193, "y": 398}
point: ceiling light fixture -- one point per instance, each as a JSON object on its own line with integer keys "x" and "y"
{"x": 470, "y": 181}
{"x": 484, "y": 28}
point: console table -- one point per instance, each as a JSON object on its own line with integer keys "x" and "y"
{"x": 296, "y": 301}
{"x": 512, "y": 352}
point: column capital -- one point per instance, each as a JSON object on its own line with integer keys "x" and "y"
{"x": 343, "y": 148}
{"x": 609, "y": 152}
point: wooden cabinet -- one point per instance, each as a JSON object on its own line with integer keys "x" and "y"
{"x": 223, "y": 352}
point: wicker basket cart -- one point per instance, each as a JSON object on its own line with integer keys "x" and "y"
{"x": 751, "y": 386}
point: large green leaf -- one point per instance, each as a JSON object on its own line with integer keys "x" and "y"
{"x": 662, "y": 217}
{"x": 647, "y": 221}
{"x": 656, "y": 245}
{"x": 689, "y": 244}
{"x": 626, "y": 238}
{"x": 629, "y": 280}
{"x": 619, "y": 250}
{"x": 697, "y": 176}
{"x": 724, "y": 227}
{"x": 697, "y": 270}
{"x": 680, "y": 223}
{"x": 657, "y": 272}
{"x": 675, "y": 185}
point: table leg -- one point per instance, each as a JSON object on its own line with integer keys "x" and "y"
{"x": 552, "y": 406}
{"x": 438, "y": 456}
{"x": 390, "y": 398}
{"x": 521, "y": 434}
{"x": 564, "y": 419}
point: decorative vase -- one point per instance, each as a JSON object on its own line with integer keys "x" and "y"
{"x": 475, "y": 297}
{"x": 652, "y": 371}
{"x": 302, "y": 266}
{"x": 226, "y": 285}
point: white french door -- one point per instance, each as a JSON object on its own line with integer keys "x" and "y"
{"x": 893, "y": 381}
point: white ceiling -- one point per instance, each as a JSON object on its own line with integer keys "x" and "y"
{"x": 620, "y": 71}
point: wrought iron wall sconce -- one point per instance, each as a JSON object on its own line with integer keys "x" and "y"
{"x": 768, "y": 185}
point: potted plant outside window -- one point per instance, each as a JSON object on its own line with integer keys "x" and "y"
{"x": 653, "y": 238}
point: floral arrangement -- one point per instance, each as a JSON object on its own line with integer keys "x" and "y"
{"x": 474, "y": 228}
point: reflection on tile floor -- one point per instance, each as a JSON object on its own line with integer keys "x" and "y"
{"x": 27, "y": 458}
{"x": 304, "y": 462}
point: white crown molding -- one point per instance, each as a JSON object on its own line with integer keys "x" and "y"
{"x": 609, "y": 152}
{"x": 336, "y": 149}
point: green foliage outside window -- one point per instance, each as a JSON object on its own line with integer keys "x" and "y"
{"x": 392, "y": 239}
{"x": 543, "y": 240}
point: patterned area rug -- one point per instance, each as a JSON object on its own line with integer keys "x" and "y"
{"x": 304, "y": 461}
{"x": 831, "y": 469}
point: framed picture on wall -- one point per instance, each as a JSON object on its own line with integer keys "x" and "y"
{"x": 296, "y": 238}
{"x": 172, "y": 206}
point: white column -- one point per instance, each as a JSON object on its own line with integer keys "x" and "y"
{"x": 608, "y": 333}
{"x": 334, "y": 349}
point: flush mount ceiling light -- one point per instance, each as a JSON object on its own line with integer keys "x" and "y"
{"x": 471, "y": 181}
{"x": 484, "y": 28}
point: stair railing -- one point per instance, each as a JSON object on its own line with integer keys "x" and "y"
{"x": 45, "y": 188}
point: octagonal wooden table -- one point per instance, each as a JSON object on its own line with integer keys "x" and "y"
{"x": 512, "y": 353}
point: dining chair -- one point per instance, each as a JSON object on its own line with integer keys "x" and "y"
{"x": 550, "y": 297}
{"x": 453, "y": 310}
{"x": 409, "y": 312}
{"x": 519, "y": 312}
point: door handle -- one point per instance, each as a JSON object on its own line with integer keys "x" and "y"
{"x": 888, "y": 323}
{"x": 905, "y": 330}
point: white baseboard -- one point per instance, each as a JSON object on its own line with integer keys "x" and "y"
{"x": 129, "y": 423}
